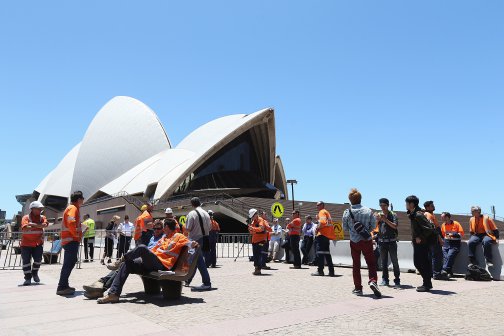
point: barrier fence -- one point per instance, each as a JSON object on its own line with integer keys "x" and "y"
{"x": 229, "y": 246}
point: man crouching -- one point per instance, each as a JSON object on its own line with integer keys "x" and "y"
{"x": 161, "y": 257}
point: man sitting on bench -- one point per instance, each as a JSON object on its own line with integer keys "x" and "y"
{"x": 162, "y": 256}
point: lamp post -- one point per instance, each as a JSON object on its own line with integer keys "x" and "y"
{"x": 292, "y": 182}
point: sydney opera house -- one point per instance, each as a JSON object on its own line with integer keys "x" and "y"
{"x": 126, "y": 158}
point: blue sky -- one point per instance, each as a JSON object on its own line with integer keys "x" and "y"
{"x": 392, "y": 97}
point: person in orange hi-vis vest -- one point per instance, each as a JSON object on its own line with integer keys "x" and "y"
{"x": 324, "y": 234}
{"x": 161, "y": 257}
{"x": 180, "y": 228}
{"x": 265, "y": 260}
{"x": 32, "y": 242}
{"x": 143, "y": 225}
{"x": 436, "y": 248}
{"x": 452, "y": 233}
{"x": 294, "y": 236}
{"x": 483, "y": 231}
{"x": 71, "y": 235}
{"x": 213, "y": 238}
{"x": 259, "y": 235}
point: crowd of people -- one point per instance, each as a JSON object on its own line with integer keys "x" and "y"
{"x": 158, "y": 243}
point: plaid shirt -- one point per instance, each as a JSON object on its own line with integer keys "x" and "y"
{"x": 361, "y": 214}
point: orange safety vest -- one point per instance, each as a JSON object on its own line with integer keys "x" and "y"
{"x": 71, "y": 227}
{"x": 32, "y": 237}
{"x": 140, "y": 222}
{"x": 258, "y": 230}
{"x": 454, "y": 227}
{"x": 432, "y": 218}
{"x": 325, "y": 227}
{"x": 485, "y": 225}
{"x": 215, "y": 226}
{"x": 295, "y": 227}
{"x": 167, "y": 249}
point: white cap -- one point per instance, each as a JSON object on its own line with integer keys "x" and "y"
{"x": 36, "y": 204}
{"x": 168, "y": 210}
{"x": 210, "y": 212}
{"x": 252, "y": 212}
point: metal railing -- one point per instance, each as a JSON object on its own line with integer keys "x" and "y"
{"x": 229, "y": 246}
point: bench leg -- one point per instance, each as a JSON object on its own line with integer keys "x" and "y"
{"x": 172, "y": 290}
{"x": 151, "y": 286}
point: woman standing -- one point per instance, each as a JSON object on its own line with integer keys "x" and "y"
{"x": 125, "y": 230}
{"x": 110, "y": 232}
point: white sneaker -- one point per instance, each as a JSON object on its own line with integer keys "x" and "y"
{"x": 201, "y": 288}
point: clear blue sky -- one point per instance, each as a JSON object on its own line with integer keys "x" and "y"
{"x": 392, "y": 97}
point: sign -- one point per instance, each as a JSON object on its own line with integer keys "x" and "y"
{"x": 277, "y": 210}
{"x": 338, "y": 230}
{"x": 182, "y": 220}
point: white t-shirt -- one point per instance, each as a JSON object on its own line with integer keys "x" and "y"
{"x": 193, "y": 223}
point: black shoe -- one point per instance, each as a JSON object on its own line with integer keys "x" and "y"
{"x": 295, "y": 267}
{"x": 357, "y": 292}
{"x": 423, "y": 289}
{"x": 86, "y": 260}
{"x": 318, "y": 274}
{"x": 36, "y": 277}
{"x": 374, "y": 287}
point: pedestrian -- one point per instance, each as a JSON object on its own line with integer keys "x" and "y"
{"x": 110, "y": 236}
{"x": 32, "y": 242}
{"x": 483, "y": 231}
{"x": 286, "y": 243}
{"x": 71, "y": 235}
{"x": 124, "y": 230}
{"x": 89, "y": 238}
{"x": 198, "y": 226}
{"x": 294, "y": 236}
{"x": 308, "y": 236}
{"x": 387, "y": 223}
{"x": 180, "y": 228}
{"x": 259, "y": 233}
{"x": 324, "y": 233}
{"x": 214, "y": 238}
{"x": 359, "y": 221}
{"x": 437, "y": 248}
{"x": 143, "y": 225}
{"x": 452, "y": 233}
{"x": 265, "y": 260}
{"x": 423, "y": 235}
{"x": 276, "y": 240}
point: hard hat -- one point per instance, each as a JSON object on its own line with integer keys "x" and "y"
{"x": 210, "y": 212}
{"x": 252, "y": 212}
{"x": 144, "y": 207}
{"x": 168, "y": 210}
{"x": 36, "y": 204}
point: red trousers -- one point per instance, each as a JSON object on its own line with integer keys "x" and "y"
{"x": 366, "y": 247}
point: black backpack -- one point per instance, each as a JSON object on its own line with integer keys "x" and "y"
{"x": 476, "y": 273}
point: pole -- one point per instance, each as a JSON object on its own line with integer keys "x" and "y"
{"x": 292, "y": 185}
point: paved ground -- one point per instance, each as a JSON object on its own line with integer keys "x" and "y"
{"x": 283, "y": 302}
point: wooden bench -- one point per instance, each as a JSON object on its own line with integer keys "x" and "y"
{"x": 171, "y": 284}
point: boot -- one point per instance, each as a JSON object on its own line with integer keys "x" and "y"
{"x": 96, "y": 286}
{"x": 36, "y": 277}
{"x": 116, "y": 264}
{"x": 102, "y": 261}
{"x": 110, "y": 298}
{"x": 257, "y": 271}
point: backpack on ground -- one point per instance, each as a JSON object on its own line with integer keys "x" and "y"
{"x": 476, "y": 273}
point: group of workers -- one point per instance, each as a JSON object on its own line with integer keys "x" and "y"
{"x": 158, "y": 243}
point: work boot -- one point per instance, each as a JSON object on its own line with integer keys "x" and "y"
{"x": 110, "y": 298}
{"x": 27, "y": 282}
{"x": 66, "y": 291}
{"x": 116, "y": 264}
{"x": 96, "y": 286}
{"x": 257, "y": 271}
{"x": 318, "y": 274}
{"x": 423, "y": 289}
{"x": 93, "y": 295}
{"x": 36, "y": 277}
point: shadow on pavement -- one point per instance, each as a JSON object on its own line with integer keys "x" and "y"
{"x": 158, "y": 300}
{"x": 441, "y": 292}
{"x": 372, "y": 296}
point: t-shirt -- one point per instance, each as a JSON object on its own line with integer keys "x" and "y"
{"x": 193, "y": 224}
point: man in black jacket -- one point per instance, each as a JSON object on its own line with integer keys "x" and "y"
{"x": 423, "y": 235}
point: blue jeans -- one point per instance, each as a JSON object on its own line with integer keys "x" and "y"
{"x": 474, "y": 241}
{"x": 436, "y": 252}
{"x": 69, "y": 261}
{"x": 386, "y": 249}
{"x": 450, "y": 252}
{"x": 202, "y": 267}
{"x": 259, "y": 256}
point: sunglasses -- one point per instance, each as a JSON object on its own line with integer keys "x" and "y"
{"x": 158, "y": 228}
